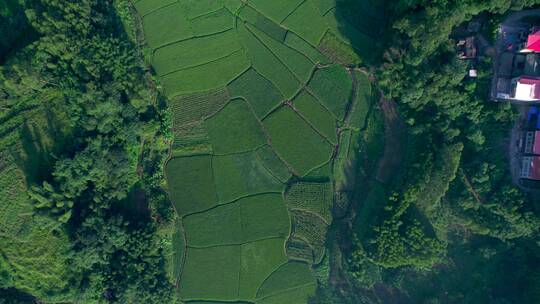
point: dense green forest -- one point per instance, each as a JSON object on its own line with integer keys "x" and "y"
{"x": 108, "y": 155}
{"x": 448, "y": 227}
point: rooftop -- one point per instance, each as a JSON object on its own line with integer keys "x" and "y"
{"x": 530, "y": 168}
{"x": 527, "y": 89}
{"x": 533, "y": 42}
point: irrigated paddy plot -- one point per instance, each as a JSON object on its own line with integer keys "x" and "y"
{"x": 259, "y": 94}
{"x": 296, "y": 141}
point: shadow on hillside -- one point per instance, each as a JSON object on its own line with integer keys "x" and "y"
{"x": 361, "y": 23}
{"x": 41, "y": 140}
{"x": 36, "y": 160}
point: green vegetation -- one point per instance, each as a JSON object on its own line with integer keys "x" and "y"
{"x": 211, "y": 75}
{"x": 267, "y": 64}
{"x": 194, "y": 52}
{"x": 261, "y": 94}
{"x": 312, "y": 197}
{"x": 255, "y": 126}
{"x": 188, "y": 109}
{"x": 332, "y": 86}
{"x": 293, "y": 138}
{"x": 15, "y": 28}
{"x": 246, "y": 220}
{"x": 292, "y": 275}
{"x": 256, "y": 152}
{"x": 193, "y": 190}
{"x": 311, "y": 31}
{"x": 447, "y": 221}
{"x": 223, "y": 262}
{"x": 297, "y": 295}
{"x": 240, "y": 175}
{"x": 259, "y": 260}
{"x": 235, "y": 129}
{"x": 82, "y": 137}
{"x": 273, "y": 163}
{"x": 317, "y": 115}
{"x": 310, "y": 227}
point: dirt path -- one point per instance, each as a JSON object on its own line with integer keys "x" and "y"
{"x": 393, "y": 146}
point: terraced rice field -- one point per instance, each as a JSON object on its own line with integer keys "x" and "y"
{"x": 261, "y": 100}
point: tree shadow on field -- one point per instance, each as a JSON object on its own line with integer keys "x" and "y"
{"x": 35, "y": 160}
{"x": 361, "y": 24}
{"x": 41, "y": 139}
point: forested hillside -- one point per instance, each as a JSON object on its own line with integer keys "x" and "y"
{"x": 449, "y": 226}
{"x": 83, "y": 144}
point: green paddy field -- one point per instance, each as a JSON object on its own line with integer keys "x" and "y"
{"x": 266, "y": 104}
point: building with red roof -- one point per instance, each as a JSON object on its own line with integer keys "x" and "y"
{"x": 533, "y": 42}
{"x": 530, "y": 167}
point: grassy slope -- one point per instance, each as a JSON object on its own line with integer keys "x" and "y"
{"x": 33, "y": 246}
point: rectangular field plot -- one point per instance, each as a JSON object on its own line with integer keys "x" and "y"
{"x": 211, "y": 274}
{"x": 212, "y": 75}
{"x": 261, "y": 94}
{"x": 215, "y": 22}
{"x": 191, "y": 183}
{"x": 267, "y": 64}
{"x": 288, "y": 276}
{"x": 246, "y": 220}
{"x": 238, "y": 175}
{"x": 259, "y": 260}
{"x": 317, "y": 115}
{"x": 235, "y": 129}
{"x": 264, "y": 216}
{"x": 272, "y": 163}
{"x": 166, "y": 25}
{"x": 218, "y": 226}
{"x": 191, "y": 108}
{"x": 333, "y": 87}
{"x": 296, "y": 142}
{"x": 194, "y": 51}
{"x": 296, "y": 62}
{"x": 312, "y": 30}
{"x": 191, "y": 139}
{"x": 314, "y": 197}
